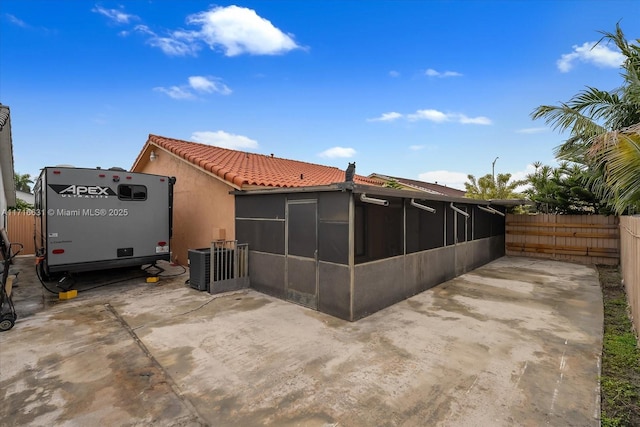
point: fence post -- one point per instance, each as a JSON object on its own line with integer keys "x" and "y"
{"x": 630, "y": 264}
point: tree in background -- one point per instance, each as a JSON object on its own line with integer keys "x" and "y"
{"x": 604, "y": 138}
{"x": 21, "y": 205}
{"x": 393, "y": 183}
{"x": 23, "y": 182}
{"x": 562, "y": 190}
{"x": 488, "y": 188}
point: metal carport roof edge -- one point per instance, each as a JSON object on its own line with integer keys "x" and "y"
{"x": 382, "y": 191}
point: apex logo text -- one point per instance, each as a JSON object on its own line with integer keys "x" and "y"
{"x": 84, "y": 191}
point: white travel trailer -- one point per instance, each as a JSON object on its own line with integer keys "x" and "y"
{"x": 94, "y": 219}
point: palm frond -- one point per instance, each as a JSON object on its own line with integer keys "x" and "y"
{"x": 617, "y": 154}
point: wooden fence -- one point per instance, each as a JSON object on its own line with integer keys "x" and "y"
{"x": 585, "y": 239}
{"x": 630, "y": 263}
{"x": 20, "y": 229}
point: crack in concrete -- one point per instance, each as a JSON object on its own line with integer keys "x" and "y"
{"x": 174, "y": 387}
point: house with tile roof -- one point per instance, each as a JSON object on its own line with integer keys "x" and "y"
{"x": 412, "y": 184}
{"x": 206, "y": 176}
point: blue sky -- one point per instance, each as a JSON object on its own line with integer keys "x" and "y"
{"x": 430, "y": 90}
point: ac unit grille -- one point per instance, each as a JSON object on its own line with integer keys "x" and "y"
{"x": 199, "y": 268}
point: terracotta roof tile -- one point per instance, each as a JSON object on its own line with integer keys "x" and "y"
{"x": 242, "y": 168}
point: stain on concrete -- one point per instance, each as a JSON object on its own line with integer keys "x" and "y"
{"x": 445, "y": 301}
{"x": 492, "y": 347}
{"x": 538, "y": 277}
{"x": 244, "y": 303}
{"x": 102, "y": 375}
{"x": 177, "y": 361}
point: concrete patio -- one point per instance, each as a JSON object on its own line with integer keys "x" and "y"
{"x": 515, "y": 342}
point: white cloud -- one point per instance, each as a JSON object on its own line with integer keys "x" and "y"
{"x": 433, "y": 73}
{"x": 235, "y": 30}
{"x": 450, "y": 179}
{"x": 431, "y": 115}
{"x": 523, "y": 173}
{"x": 115, "y": 15}
{"x": 394, "y": 73}
{"x": 144, "y": 29}
{"x": 197, "y": 84}
{"x": 480, "y": 120}
{"x": 438, "y": 117}
{"x": 169, "y": 45}
{"x": 175, "y": 92}
{"x": 225, "y": 140}
{"x": 532, "y": 130}
{"x": 338, "y": 152}
{"x": 416, "y": 147}
{"x": 173, "y": 47}
{"x": 17, "y": 21}
{"x": 589, "y": 52}
{"x": 238, "y": 30}
{"x": 386, "y": 117}
{"x": 208, "y": 85}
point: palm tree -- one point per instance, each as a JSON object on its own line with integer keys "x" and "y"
{"x": 488, "y": 188}
{"x": 22, "y": 182}
{"x": 601, "y": 128}
{"x": 593, "y": 112}
{"x": 617, "y": 153}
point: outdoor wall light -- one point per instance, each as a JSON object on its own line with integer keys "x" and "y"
{"x": 423, "y": 207}
{"x": 364, "y": 198}
{"x": 490, "y": 210}
{"x": 460, "y": 211}
{"x": 153, "y": 156}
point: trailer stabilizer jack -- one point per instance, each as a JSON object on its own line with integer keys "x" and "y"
{"x": 68, "y": 294}
{"x": 154, "y": 266}
{"x": 66, "y": 283}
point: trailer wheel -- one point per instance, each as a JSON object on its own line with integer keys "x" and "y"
{"x": 7, "y": 322}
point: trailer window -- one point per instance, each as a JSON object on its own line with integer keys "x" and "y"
{"x": 132, "y": 192}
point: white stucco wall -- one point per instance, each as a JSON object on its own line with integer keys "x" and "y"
{"x": 7, "y": 186}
